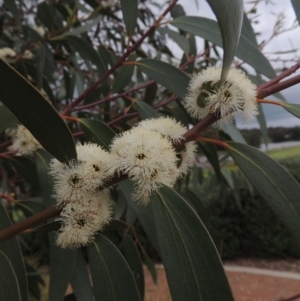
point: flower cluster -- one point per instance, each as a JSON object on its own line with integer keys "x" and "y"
{"x": 147, "y": 153}
{"x": 85, "y": 209}
{"x": 23, "y": 142}
{"x": 236, "y": 95}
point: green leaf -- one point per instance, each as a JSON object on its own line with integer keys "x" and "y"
{"x": 188, "y": 252}
{"x": 165, "y": 74}
{"x": 9, "y": 287}
{"x": 130, "y": 14}
{"x": 262, "y": 123}
{"x": 144, "y": 215}
{"x": 62, "y": 263}
{"x": 40, "y": 63}
{"x": 34, "y": 282}
{"x": 234, "y": 133}
{"x": 7, "y": 118}
{"x": 211, "y": 153}
{"x": 182, "y": 42}
{"x": 293, "y": 108}
{"x": 30, "y": 207}
{"x": 116, "y": 225}
{"x": 177, "y": 11}
{"x": 52, "y": 226}
{"x": 46, "y": 15}
{"x": 209, "y": 30}
{"x": 247, "y": 30}
{"x": 82, "y": 29}
{"x": 150, "y": 93}
{"x": 97, "y": 132}
{"x": 273, "y": 182}
{"x": 26, "y": 168}
{"x": 198, "y": 205}
{"x": 80, "y": 280}
{"x": 230, "y": 30}
{"x": 144, "y": 109}
{"x": 87, "y": 52}
{"x": 296, "y": 6}
{"x": 112, "y": 278}
{"x": 36, "y": 114}
{"x": 132, "y": 256}
{"x": 12, "y": 250}
{"x": 46, "y": 183}
{"x": 124, "y": 76}
{"x": 11, "y": 5}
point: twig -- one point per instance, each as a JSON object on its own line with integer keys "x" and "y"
{"x": 264, "y": 92}
{"x": 120, "y": 61}
{"x": 279, "y": 77}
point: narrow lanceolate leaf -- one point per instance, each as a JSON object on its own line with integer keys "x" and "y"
{"x": 193, "y": 266}
{"x": 132, "y": 256}
{"x": 87, "y": 52}
{"x": 209, "y": 30}
{"x": 111, "y": 275}
{"x": 45, "y": 180}
{"x": 262, "y": 123}
{"x": 30, "y": 207}
{"x": 12, "y": 6}
{"x": 130, "y": 14}
{"x": 97, "y": 131}
{"x": 292, "y": 108}
{"x": 12, "y": 250}
{"x": 9, "y": 287}
{"x": 62, "y": 262}
{"x": 124, "y": 76}
{"x": 272, "y": 181}
{"x": 144, "y": 215}
{"x": 80, "y": 280}
{"x": 7, "y": 118}
{"x": 82, "y": 29}
{"x": 234, "y": 133}
{"x": 165, "y": 74}
{"x": 230, "y": 17}
{"x": 296, "y": 6}
{"x": 144, "y": 109}
{"x": 36, "y": 114}
{"x": 182, "y": 42}
{"x": 26, "y": 168}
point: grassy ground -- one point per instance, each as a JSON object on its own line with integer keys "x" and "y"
{"x": 284, "y": 152}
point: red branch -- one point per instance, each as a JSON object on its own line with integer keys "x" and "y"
{"x": 264, "y": 92}
{"x": 120, "y": 61}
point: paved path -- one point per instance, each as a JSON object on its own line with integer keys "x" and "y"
{"x": 247, "y": 284}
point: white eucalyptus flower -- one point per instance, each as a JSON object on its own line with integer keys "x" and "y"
{"x": 71, "y": 182}
{"x": 166, "y": 126}
{"x": 7, "y": 54}
{"x": 40, "y": 30}
{"x": 27, "y": 55}
{"x": 174, "y": 131}
{"x": 147, "y": 158}
{"x": 23, "y": 142}
{"x": 236, "y": 95}
{"x": 96, "y": 160}
{"x": 82, "y": 220}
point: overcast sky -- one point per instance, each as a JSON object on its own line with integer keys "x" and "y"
{"x": 276, "y": 116}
